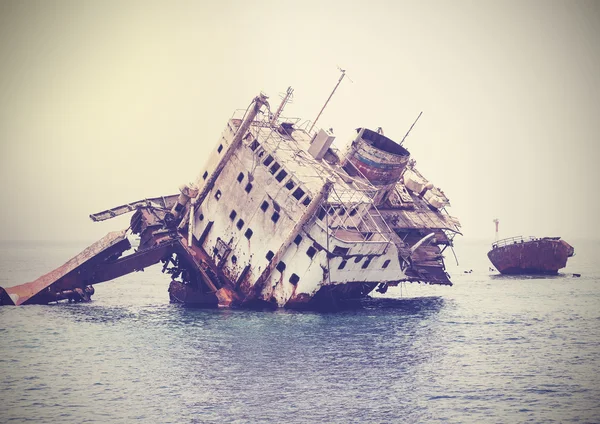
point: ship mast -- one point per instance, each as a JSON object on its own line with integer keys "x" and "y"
{"x": 329, "y": 98}
{"x": 284, "y": 101}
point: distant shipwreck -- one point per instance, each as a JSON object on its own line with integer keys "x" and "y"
{"x": 529, "y": 255}
{"x": 278, "y": 218}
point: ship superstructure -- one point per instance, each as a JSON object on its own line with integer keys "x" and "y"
{"x": 278, "y": 218}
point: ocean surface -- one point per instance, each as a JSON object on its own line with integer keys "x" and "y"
{"x": 490, "y": 349}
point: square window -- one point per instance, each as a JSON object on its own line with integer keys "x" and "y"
{"x": 268, "y": 160}
{"x": 218, "y": 194}
{"x": 341, "y": 251}
{"x": 248, "y": 233}
{"x": 321, "y": 213}
{"x": 306, "y": 201}
{"x": 264, "y": 206}
{"x": 240, "y": 224}
{"x": 280, "y": 266}
{"x": 254, "y": 145}
{"x": 270, "y": 255}
{"x": 290, "y": 185}
{"x": 366, "y": 263}
{"x": 294, "y": 279}
{"x": 282, "y": 174}
{"x": 232, "y": 215}
{"x": 248, "y": 187}
{"x": 274, "y": 168}
{"x": 298, "y": 193}
{"x": 311, "y": 251}
{"x": 220, "y": 148}
{"x": 240, "y": 177}
{"x": 298, "y": 239}
{"x": 205, "y": 175}
{"x": 385, "y": 264}
{"x": 343, "y": 264}
{"x": 275, "y": 217}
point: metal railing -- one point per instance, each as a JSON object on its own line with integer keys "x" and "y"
{"x": 512, "y": 240}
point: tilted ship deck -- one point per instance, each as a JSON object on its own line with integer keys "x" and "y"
{"x": 278, "y": 218}
{"x": 520, "y": 255}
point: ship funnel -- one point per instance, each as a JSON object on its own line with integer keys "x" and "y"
{"x": 380, "y": 159}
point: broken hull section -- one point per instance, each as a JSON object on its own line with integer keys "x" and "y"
{"x": 530, "y": 256}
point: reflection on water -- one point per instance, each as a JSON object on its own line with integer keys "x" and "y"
{"x": 525, "y": 277}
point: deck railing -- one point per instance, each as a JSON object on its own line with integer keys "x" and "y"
{"x": 512, "y": 240}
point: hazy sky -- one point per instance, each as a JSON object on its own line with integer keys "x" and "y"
{"x": 106, "y": 102}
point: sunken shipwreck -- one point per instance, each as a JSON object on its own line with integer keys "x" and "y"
{"x": 277, "y": 218}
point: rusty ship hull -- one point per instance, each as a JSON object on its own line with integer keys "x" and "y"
{"x": 530, "y": 256}
{"x": 276, "y": 218}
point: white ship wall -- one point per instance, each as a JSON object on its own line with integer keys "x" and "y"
{"x": 309, "y": 274}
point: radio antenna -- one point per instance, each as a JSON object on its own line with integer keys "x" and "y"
{"x": 329, "y": 98}
{"x": 411, "y": 127}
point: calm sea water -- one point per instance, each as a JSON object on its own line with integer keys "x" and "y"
{"x": 489, "y": 349}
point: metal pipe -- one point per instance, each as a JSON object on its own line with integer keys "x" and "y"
{"x": 191, "y": 225}
{"x": 259, "y": 101}
{"x": 329, "y": 98}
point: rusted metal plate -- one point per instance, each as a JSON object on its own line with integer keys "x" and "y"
{"x": 185, "y": 294}
{"x": 66, "y": 276}
{"x": 164, "y": 202}
{"x": 539, "y": 256}
{"x": 378, "y": 158}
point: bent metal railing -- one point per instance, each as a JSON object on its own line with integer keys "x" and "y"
{"x": 512, "y": 240}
